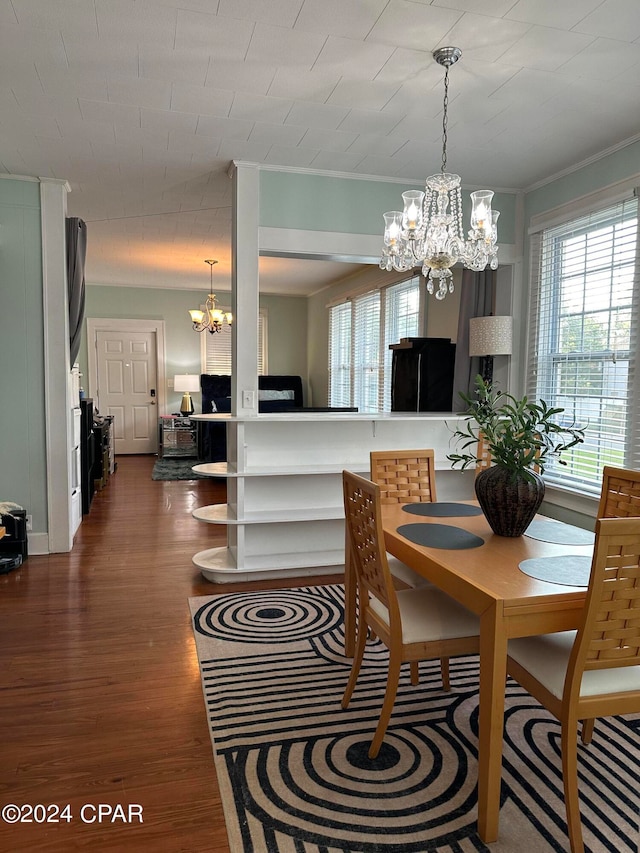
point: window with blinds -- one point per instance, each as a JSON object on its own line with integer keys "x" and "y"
{"x": 216, "y": 349}
{"x": 360, "y": 332}
{"x": 340, "y": 355}
{"x": 401, "y": 320}
{"x": 583, "y": 340}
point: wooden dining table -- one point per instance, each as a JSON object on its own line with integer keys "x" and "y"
{"x": 486, "y": 579}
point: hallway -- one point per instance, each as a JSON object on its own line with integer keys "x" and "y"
{"x": 100, "y": 696}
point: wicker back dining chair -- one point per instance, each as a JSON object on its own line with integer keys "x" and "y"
{"x": 620, "y": 496}
{"x": 483, "y": 454}
{"x": 595, "y": 671}
{"x": 404, "y": 476}
{"x": 415, "y": 625}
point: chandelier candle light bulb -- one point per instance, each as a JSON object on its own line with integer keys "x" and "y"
{"x": 429, "y": 229}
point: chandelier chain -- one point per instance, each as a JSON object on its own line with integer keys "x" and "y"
{"x": 443, "y": 168}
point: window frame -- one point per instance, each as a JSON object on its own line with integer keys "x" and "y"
{"x": 224, "y": 337}
{"x": 562, "y": 274}
{"x": 357, "y": 390}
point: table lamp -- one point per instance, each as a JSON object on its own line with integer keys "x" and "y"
{"x": 489, "y": 336}
{"x": 186, "y": 384}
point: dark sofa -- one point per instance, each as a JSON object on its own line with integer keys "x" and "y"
{"x": 275, "y": 394}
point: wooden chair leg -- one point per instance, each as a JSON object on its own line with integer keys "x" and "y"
{"x": 357, "y": 662}
{"x": 570, "y": 778}
{"x": 393, "y": 677}
{"x": 415, "y": 673}
{"x": 444, "y": 666}
{"x": 587, "y": 731}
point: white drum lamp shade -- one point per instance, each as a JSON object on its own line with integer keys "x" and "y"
{"x": 186, "y": 384}
{"x": 489, "y": 336}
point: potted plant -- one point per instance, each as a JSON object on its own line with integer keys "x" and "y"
{"x": 521, "y": 437}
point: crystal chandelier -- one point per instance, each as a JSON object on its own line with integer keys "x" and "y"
{"x": 208, "y": 316}
{"x": 429, "y": 229}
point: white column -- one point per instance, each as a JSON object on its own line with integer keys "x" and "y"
{"x": 245, "y": 289}
{"x": 57, "y": 366}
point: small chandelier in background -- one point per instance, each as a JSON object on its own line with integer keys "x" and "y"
{"x": 427, "y": 233}
{"x": 208, "y": 316}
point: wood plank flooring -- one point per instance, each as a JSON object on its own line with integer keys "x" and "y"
{"x": 100, "y": 697}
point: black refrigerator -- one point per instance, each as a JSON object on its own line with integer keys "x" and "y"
{"x": 422, "y": 375}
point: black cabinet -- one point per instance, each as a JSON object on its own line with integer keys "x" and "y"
{"x": 422, "y": 375}
{"x": 87, "y": 453}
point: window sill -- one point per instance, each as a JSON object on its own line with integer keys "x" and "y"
{"x": 569, "y": 505}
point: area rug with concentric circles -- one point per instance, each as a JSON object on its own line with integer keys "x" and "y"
{"x": 293, "y": 768}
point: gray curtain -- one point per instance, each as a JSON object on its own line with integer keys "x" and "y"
{"x": 76, "y": 233}
{"x": 477, "y": 293}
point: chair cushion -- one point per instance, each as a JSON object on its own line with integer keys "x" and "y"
{"x": 405, "y": 574}
{"x": 430, "y": 614}
{"x": 546, "y": 658}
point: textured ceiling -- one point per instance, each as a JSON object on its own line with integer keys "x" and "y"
{"x": 141, "y": 104}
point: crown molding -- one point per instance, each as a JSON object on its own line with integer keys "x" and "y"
{"x": 581, "y": 165}
{"x": 7, "y": 177}
{"x": 351, "y": 176}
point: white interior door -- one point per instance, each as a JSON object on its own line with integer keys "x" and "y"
{"x": 127, "y": 387}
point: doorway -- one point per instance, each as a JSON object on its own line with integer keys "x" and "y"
{"x": 127, "y": 379}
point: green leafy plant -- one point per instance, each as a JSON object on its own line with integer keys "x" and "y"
{"x": 519, "y": 434}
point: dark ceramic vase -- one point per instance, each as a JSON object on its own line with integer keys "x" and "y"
{"x": 509, "y": 501}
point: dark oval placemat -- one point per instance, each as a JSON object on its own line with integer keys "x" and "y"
{"x": 440, "y": 536}
{"x": 567, "y": 569}
{"x": 442, "y": 509}
{"x": 560, "y": 534}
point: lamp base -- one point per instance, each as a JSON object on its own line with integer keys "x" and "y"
{"x": 487, "y": 369}
{"x": 186, "y": 406}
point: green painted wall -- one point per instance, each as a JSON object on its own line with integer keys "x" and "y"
{"x": 318, "y": 348}
{"x": 608, "y": 170}
{"x": 142, "y": 303}
{"x": 286, "y": 335}
{"x": 320, "y": 203}
{"x": 23, "y": 477}
{"x": 286, "y": 352}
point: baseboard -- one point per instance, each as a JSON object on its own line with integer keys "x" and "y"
{"x": 38, "y": 543}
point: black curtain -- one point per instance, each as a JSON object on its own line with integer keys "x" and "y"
{"x": 76, "y": 233}
{"x": 477, "y": 293}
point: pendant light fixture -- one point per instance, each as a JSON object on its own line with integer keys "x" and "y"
{"x": 208, "y": 316}
{"x": 429, "y": 229}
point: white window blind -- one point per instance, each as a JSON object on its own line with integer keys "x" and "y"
{"x": 216, "y": 355}
{"x": 367, "y": 367}
{"x": 340, "y": 355}
{"x": 360, "y": 332}
{"x": 401, "y": 320}
{"x": 584, "y": 338}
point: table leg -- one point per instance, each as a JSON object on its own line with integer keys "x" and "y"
{"x": 493, "y": 674}
{"x": 350, "y": 602}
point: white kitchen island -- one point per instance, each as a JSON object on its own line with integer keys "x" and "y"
{"x": 284, "y": 513}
